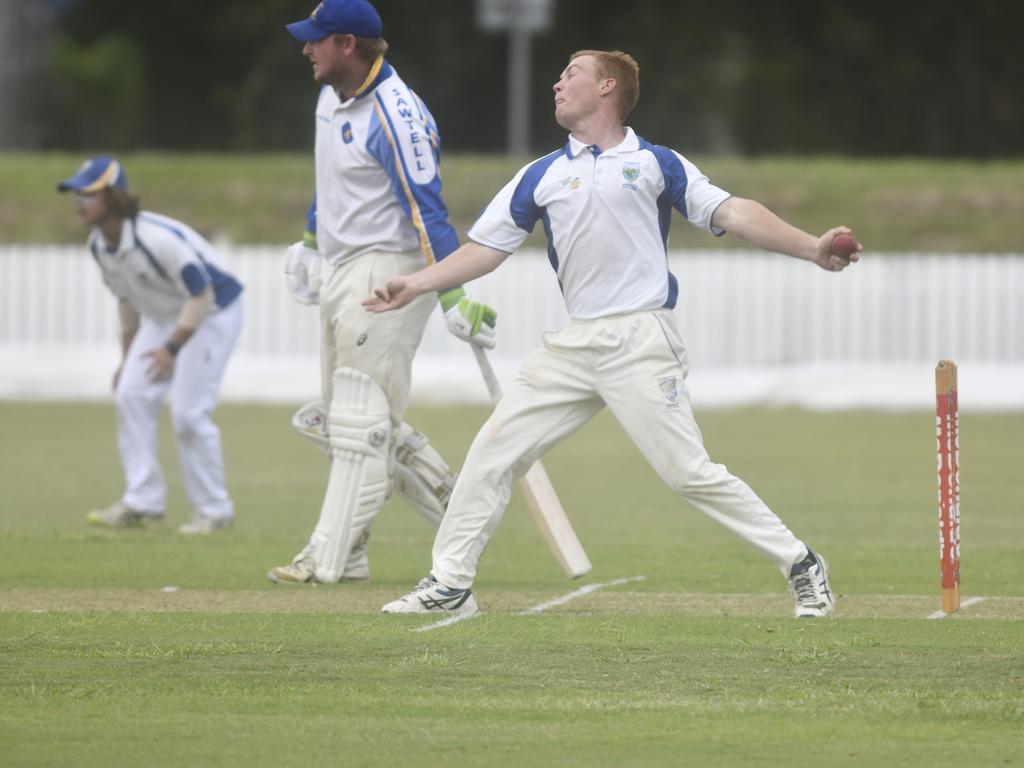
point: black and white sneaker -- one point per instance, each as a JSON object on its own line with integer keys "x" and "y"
{"x": 430, "y": 596}
{"x": 808, "y": 584}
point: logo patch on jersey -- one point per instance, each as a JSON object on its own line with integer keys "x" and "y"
{"x": 346, "y": 133}
{"x": 572, "y": 182}
{"x": 670, "y": 389}
{"x": 630, "y": 172}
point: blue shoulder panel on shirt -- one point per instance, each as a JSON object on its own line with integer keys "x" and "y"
{"x": 193, "y": 279}
{"x": 225, "y": 287}
{"x": 673, "y": 196}
{"x": 523, "y": 207}
{"x": 673, "y": 172}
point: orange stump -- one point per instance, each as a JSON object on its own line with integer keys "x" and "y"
{"x": 947, "y": 421}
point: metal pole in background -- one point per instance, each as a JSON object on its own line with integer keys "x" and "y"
{"x": 518, "y": 116}
{"x": 521, "y": 19}
{"x": 24, "y": 25}
{"x": 10, "y": 75}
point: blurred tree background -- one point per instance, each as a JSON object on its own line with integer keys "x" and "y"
{"x": 937, "y": 78}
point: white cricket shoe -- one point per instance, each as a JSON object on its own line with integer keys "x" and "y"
{"x": 117, "y": 515}
{"x": 430, "y": 596}
{"x": 808, "y": 584}
{"x": 203, "y": 525}
{"x": 302, "y": 571}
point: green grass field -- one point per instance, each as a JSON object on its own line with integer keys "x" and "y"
{"x": 698, "y": 664}
{"x": 894, "y": 205}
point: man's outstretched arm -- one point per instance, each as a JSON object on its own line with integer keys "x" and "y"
{"x": 466, "y": 263}
{"x": 751, "y": 221}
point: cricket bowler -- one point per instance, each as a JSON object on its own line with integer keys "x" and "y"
{"x": 605, "y": 199}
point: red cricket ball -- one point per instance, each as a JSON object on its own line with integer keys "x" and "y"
{"x": 844, "y": 246}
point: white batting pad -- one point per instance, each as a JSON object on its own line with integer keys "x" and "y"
{"x": 310, "y": 421}
{"x": 360, "y": 434}
{"x": 421, "y": 476}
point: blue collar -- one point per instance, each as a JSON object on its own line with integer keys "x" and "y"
{"x": 379, "y": 72}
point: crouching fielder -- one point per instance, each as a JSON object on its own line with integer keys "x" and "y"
{"x": 377, "y": 213}
{"x": 606, "y": 199}
{"x": 180, "y": 317}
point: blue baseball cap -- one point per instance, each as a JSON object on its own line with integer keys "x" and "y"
{"x": 339, "y": 17}
{"x": 95, "y": 174}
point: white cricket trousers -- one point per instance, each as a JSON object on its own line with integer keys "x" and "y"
{"x": 635, "y": 364}
{"x": 193, "y": 387}
{"x": 380, "y": 345}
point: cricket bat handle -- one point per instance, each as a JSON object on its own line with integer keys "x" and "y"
{"x": 543, "y": 502}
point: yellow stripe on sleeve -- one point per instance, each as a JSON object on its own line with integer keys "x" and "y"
{"x": 417, "y": 220}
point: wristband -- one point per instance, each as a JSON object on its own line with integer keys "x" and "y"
{"x": 451, "y": 297}
{"x": 171, "y": 347}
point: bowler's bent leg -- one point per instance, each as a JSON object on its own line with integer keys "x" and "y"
{"x": 551, "y": 398}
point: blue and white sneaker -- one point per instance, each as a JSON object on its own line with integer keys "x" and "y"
{"x": 430, "y": 596}
{"x": 808, "y": 584}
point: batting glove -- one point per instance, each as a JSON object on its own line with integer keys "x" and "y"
{"x": 302, "y": 273}
{"x": 469, "y": 320}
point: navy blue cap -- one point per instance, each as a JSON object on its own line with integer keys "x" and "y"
{"x": 339, "y": 17}
{"x": 95, "y": 174}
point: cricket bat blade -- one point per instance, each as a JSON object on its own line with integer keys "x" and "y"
{"x": 543, "y": 502}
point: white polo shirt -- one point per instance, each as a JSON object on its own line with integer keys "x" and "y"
{"x": 159, "y": 263}
{"x": 607, "y": 216}
{"x": 378, "y": 185}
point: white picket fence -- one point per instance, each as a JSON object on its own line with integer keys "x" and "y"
{"x": 759, "y": 328}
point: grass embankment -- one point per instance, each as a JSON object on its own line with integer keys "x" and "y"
{"x": 894, "y": 205}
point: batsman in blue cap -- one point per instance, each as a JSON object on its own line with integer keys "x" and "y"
{"x": 339, "y": 17}
{"x": 377, "y": 213}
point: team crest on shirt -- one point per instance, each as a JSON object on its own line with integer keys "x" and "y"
{"x": 346, "y": 133}
{"x": 670, "y": 389}
{"x": 572, "y": 182}
{"x": 630, "y": 172}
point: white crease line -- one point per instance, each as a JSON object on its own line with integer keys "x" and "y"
{"x": 447, "y": 622}
{"x": 968, "y": 602}
{"x": 584, "y": 590}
